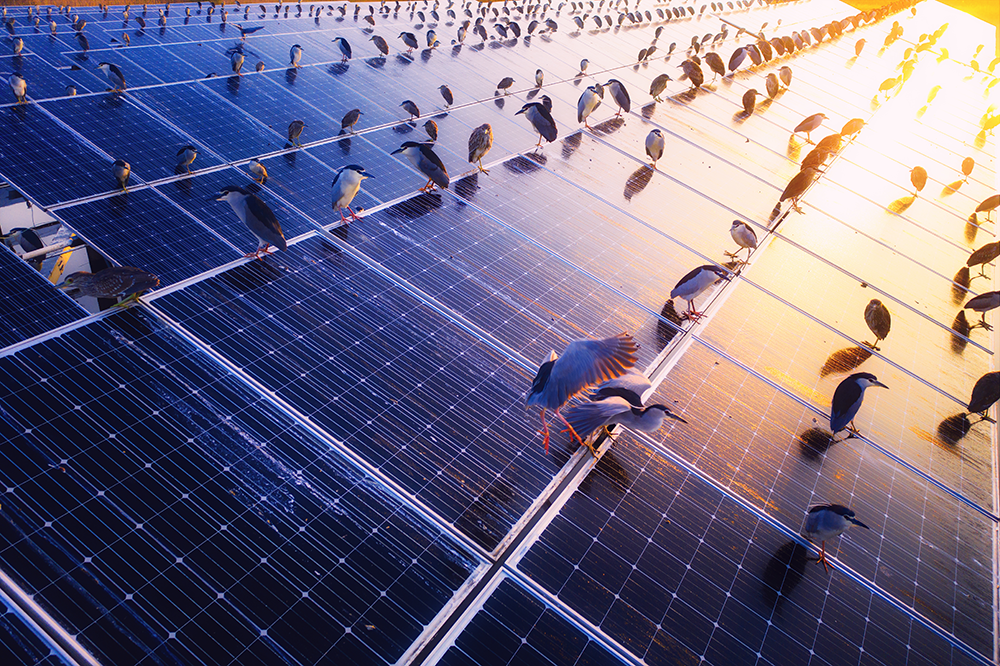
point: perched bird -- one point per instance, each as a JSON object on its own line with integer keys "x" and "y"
{"x": 112, "y": 282}
{"x": 988, "y": 205}
{"x": 295, "y": 131}
{"x": 295, "y": 55}
{"x": 809, "y": 125}
{"x": 350, "y": 119}
{"x": 480, "y": 142}
{"x": 259, "y": 67}
{"x": 18, "y": 46}
{"x": 505, "y": 84}
{"x": 693, "y": 72}
{"x": 539, "y": 78}
{"x": 918, "y": 177}
{"x": 380, "y": 44}
{"x": 236, "y": 61}
{"x": 796, "y": 187}
{"x": 878, "y": 319}
{"x": 125, "y": 39}
{"x": 345, "y": 48}
{"x": 655, "y": 145}
{"x": 620, "y": 95}
{"x": 247, "y": 31}
{"x": 745, "y": 237}
{"x": 121, "y": 171}
{"x": 258, "y": 170}
{"x": 426, "y": 161}
{"x": 826, "y": 521}
{"x": 588, "y": 103}
{"x": 983, "y": 256}
{"x": 584, "y": 64}
{"x": 258, "y": 217}
{"x": 432, "y": 39}
{"x": 411, "y": 109}
{"x": 540, "y": 116}
{"x": 694, "y": 284}
{"x": 984, "y": 394}
{"x": 346, "y": 186}
{"x": 785, "y": 74}
{"x": 431, "y": 128}
{"x": 715, "y": 63}
{"x": 583, "y": 364}
{"x": 859, "y": 46}
{"x": 585, "y": 418}
{"x": 968, "y": 164}
{"x": 410, "y": 40}
{"x": 852, "y": 127}
{"x": 19, "y": 87}
{"x": 658, "y": 86}
{"x": 114, "y": 75}
{"x": 847, "y": 401}
{"x": 771, "y": 85}
{"x": 449, "y": 98}
{"x": 750, "y": 101}
{"x": 185, "y": 156}
{"x": 982, "y": 304}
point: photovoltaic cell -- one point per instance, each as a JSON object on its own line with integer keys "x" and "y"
{"x": 30, "y": 304}
{"x": 20, "y": 645}
{"x": 188, "y": 519}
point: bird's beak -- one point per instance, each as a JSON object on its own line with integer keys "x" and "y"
{"x": 674, "y": 416}
{"x": 398, "y": 150}
{"x": 878, "y": 383}
{"x": 367, "y": 175}
{"x": 519, "y": 112}
{"x": 859, "y": 523}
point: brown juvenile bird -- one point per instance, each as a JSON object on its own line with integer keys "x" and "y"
{"x": 830, "y": 143}
{"x": 809, "y": 125}
{"x": 983, "y": 256}
{"x": 715, "y": 64}
{"x": 968, "y": 164}
{"x": 111, "y": 283}
{"x": 878, "y": 320}
{"x": 918, "y": 176}
{"x": 852, "y": 127}
{"x": 772, "y": 85}
{"x": 750, "y": 101}
{"x": 816, "y": 158}
{"x": 480, "y": 142}
{"x": 796, "y": 188}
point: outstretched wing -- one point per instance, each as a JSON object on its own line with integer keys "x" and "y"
{"x": 633, "y": 386}
{"x": 589, "y": 362}
{"x": 589, "y": 416}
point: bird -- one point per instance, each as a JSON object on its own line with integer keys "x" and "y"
{"x": 583, "y": 66}
{"x": 988, "y": 205}
{"x": 380, "y": 44}
{"x": 345, "y": 48}
{"x": 633, "y": 386}
{"x": 847, "y": 401}
{"x": 982, "y": 304}
{"x": 350, "y": 119}
{"x": 346, "y": 186}
{"x": 852, "y": 127}
{"x": 236, "y": 61}
{"x": 582, "y": 364}
{"x": 185, "y": 156}
{"x": 259, "y": 67}
{"x": 588, "y": 103}
{"x": 859, "y": 46}
{"x": 411, "y": 109}
{"x": 694, "y": 283}
{"x": 715, "y": 64}
{"x": 796, "y": 187}
{"x": 745, "y": 237}
{"x": 693, "y": 72}
{"x": 410, "y": 40}
{"x": 121, "y": 171}
{"x": 295, "y": 54}
{"x": 125, "y": 38}
{"x": 19, "y": 87}
{"x": 295, "y": 131}
{"x": 449, "y": 98}
{"x": 810, "y": 124}
{"x": 114, "y": 75}
{"x": 984, "y": 394}
{"x": 112, "y": 282}
{"x": 18, "y": 46}
{"x": 505, "y": 84}
{"x": 480, "y": 142}
{"x": 257, "y": 216}
{"x": 878, "y": 319}
{"x": 750, "y": 101}
{"x": 918, "y": 178}
{"x": 540, "y": 116}
{"x": 247, "y": 31}
{"x": 431, "y": 128}
{"x": 426, "y": 161}
{"x": 771, "y": 85}
{"x": 983, "y": 256}
{"x": 655, "y": 145}
{"x": 785, "y": 74}
{"x": 432, "y": 39}
{"x": 539, "y": 78}
{"x": 658, "y": 86}
{"x": 258, "y": 170}
{"x": 620, "y": 95}
{"x": 826, "y": 521}
{"x": 587, "y": 417}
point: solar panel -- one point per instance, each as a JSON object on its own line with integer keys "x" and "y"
{"x": 30, "y": 305}
{"x": 20, "y": 645}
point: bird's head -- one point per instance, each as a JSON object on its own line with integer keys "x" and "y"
{"x": 599, "y": 89}
{"x": 866, "y": 380}
{"x": 187, "y": 148}
{"x": 542, "y": 376}
{"x": 103, "y": 66}
{"x": 407, "y": 145}
{"x": 666, "y": 411}
{"x": 358, "y": 169}
{"x": 74, "y": 280}
{"x": 230, "y": 193}
{"x": 721, "y": 272}
{"x": 297, "y": 46}
{"x": 656, "y": 132}
{"x": 122, "y": 164}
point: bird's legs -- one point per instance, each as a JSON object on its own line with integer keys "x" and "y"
{"x": 573, "y": 433}
{"x": 487, "y": 170}
{"x": 354, "y": 216}
{"x": 587, "y": 124}
{"x": 429, "y": 187}
{"x": 618, "y": 112}
{"x": 539, "y": 144}
{"x": 125, "y": 302}
{"x": 822, "y": 557}
{"x": 545, "y": 429}
{"x": 693, "y": 314}
{"x": 982, "y": 323}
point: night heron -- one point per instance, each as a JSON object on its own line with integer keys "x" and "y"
{"x": 827, "y": 521}
{"x": 346, "y": 186}
{"x": 185, "y": 156}
{"x": 480, "y": 142}
{"x": 446, "y": 93}
{"x": 982, "y": 304}
{"x": 695, "y": 283}
{"x": 113, "y": 282}
{"x": 852, "y": 127}
{"x": 810, "y": 125}
{"x": 772, "y": 85}
{"x": 426, "y": 161}
{"x": 114, "y": 75}
{"x": 745, "y": 237}
{"x": 585, "y": 418}
{"x": 620, "y": 95}
{"x": 121, "y": 171}
{"x": 968, "y": 164}
{"x": 380, "y": 44}
{"x": 506, "y": 83}
{"x": 539, "y": 114}
{"x": 295, "y": 131}
{"x": 988, "y": 205}
{"x": 583, "y": 364}
{"x": 350, "y": 119}
{"x": 125, "y": 39}
{"x": 984, "y": 394}
{"x": 633, "y": 386}
{"x": 345, "y": 48}
{"x": 539, "y": 78}
{"x": 796, "y": 187}
{"x": 411, "y": 109}
{"x": 918, "y": 178}
{"x": 878, "y": 319}
{"x": 259, "y": 67}
{"x": 859, "y": 46}
{"x": 785, "y": 74}
{"x": 258, "y": 217}
{"x": 584, "y": 64}
{"x": 715, "y": 63}
{"x": 247, "y": 31}
{"x": 693, "y": 72}
{"x": 983, "y": 256}
{"x": 236, "y": 62}
{"x": 659, "y": 86}
{"x": 655, "y": 145}
{"x": 847, "y": 401}
{"x": 431, "y": 128}
{"x": 432, "y": 39}
{"x": 410, "y": 40}
{"x": 815, "y": 158}
{"x": 19, "y": 87}
{"x": 295, "y": 55}
{"x": 258, "y": 170}
{"x": 18, "y": 46}
{"x": 588, "y": 103}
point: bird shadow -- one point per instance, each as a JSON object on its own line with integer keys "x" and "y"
{"x": 609, "y": 126}
{"x": 467, "y": 187}
{"x": 794, "y": 149}
{"x": 901, "y": 205}
{"x": 291, "y": 74}
{"x": 570, "y": 144}
{"x": 782, "y": 574}
{"x": 845, "y": 360}
{"x": 338, "y": 68}
{"x": 532, "y": 94}
{"x": 233, "y": 84}
{"x": 523, "y": 165}
{"x": 960, "y": 285}
{"x": 418, "y": 206}
{"x": 960, "y": 335}
{"x": 952, "y": 429}
{"x": 376, "y": 63}
{"x": 638, "y": 181}
{"x": 668, "y": 325}
{"x": 404, "y": 128}
{"x": 426, "y": 54}
{"x": 611, "y": 468}
{"x": 499, "y": 101}
{"x": 814, "y": 442}
{"x": 971, "y": 229}
{"x": 951, "y": 188}
{"x": 850, "y": 62}
{"x": 647, "y": 110}
{"x": 741, "y": 117}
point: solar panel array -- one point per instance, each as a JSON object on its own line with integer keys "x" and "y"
{"x": 323, "y": 456}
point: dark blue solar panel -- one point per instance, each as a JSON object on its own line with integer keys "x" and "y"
{"x": 20, "y": 645}
{"x": 30, "y": 304}
{"x": 43, "y": 81}
{"x": 188, "y": 519}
